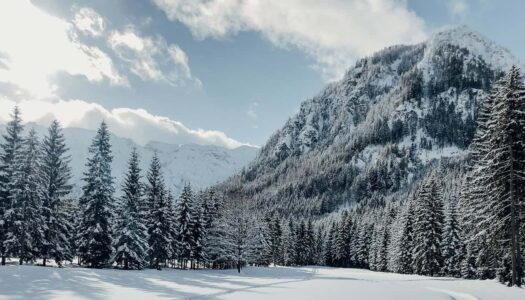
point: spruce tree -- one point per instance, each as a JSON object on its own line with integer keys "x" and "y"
{"x": 54, "y": 175}
{"x": 406, "y": 242}
{"x": 198, "y": 233}
{"x": 428, "y": 224}
{"x": 26, "y": 230}
{"x": 95, "y": 236}
{"x": 159, "y": 220}
{"x": 185, "y": 224}
{"x": 497, "y": 175}
{"x": 10, "y": 149}
{"x": 452, "y": 244}
{"x": 276, "y": 236}
{"x": 130, "y": 243}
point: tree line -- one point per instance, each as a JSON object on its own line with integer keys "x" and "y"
{"x": 475, "y": 231}
{"x": 142, "y": 227}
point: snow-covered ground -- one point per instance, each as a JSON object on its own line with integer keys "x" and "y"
{"x": 31, "y": 282}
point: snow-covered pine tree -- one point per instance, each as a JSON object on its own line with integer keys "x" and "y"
{"x": 258, "y": 246}
{"x": 276, "y": 235}
{"x": 160, "y": 238}
{"x": 468, "y": 264}
{"x": 300, "y": 244}
{"x": 95, "y": 235}
{"x": 452, "y": 246}
{"x": 172, "y": 220}
{"x": 406, "y": 241}
{"x": 237, "y": 220}
{"x": 10, "y": 149}
{"x": 343, "y": 241}
{"x": 428, "y": 226}
{"x": 185, "y": 225}
{"x": 363, "y": 245}
{"x": 209, "y": 207}
{"x": 131, "y": 234}
{"x": 309, "y": 237}
{"x": 26, "y": 231}
{"x": 319, "y": 250}
{"x": 507, "y": 165}
{"x": 198, "y": 233}
{"x": 329, "y": 256}
{"x": 213, "y": 248}
{"x": 498, "y": 174}
{"x": 54, "y": 175}
{"x": 289, "y": 244}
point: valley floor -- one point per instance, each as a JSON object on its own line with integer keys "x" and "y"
{"x": 275, "y": 283}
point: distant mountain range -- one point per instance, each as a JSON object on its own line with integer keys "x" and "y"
{"x": 199, "y": 165}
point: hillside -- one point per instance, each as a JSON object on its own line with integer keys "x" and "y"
{"x": 375, "y": 131}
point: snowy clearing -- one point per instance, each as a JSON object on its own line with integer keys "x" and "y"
{"x": 31, "y": 282}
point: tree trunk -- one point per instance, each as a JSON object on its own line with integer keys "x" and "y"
{"x": 239, "y": 267}
{"x": 3, "y": 260}
{"x": 44, "y": 261}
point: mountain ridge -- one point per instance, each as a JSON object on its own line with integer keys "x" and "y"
{"x": 198, "y": 165}
{"x": 373, "y": 133}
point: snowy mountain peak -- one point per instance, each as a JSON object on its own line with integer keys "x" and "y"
{"x": 373, "y": 133}
{"x": 479, "y": 46}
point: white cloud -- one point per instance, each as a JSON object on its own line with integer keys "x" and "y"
{"x": 151, "y": 58}
{"x": 89, "y": 21}
{"x": 36, "y": 46}
{"x": 136, "y": 124}
{"x": 334, "y": 32}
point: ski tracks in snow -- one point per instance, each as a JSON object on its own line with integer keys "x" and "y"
{"x": 227, "y": 291}
{"x": 454, "y": 295}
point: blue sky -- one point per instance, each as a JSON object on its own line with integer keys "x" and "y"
{"x": 207, "y": 71}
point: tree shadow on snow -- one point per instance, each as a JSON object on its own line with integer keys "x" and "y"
{"x": 31, "y": 282}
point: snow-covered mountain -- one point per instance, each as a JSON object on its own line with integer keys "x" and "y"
{"x": 371, "y": 134}
{"x": 199, "y": 165}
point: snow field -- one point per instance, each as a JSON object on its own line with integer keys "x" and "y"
{"x": 275, "y": 283}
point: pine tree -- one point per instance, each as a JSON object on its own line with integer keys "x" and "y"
{"x": 428, "y": 223}
{"x": 499, "y": 163}
{"x": 319, "y": 250}
{"x": 10, "y": 149}
{"x": 159, "y": 219}
{"x": 406, "y": 242}
{"x": 343, "y": 241}
{"x": 26, "y": 231}
{"x": 131, "y": 244}
{"x": 289, "y": 244}
{"x": 185, "y": 224}
{"x": 329, "y": 256}
{"x": 258, "y": 246}
{"x": 468, "y": 264}
{"x": 237, "y": 223}
{"x": 198, "y": 233}
{"x": 364, "y": 241}
{"x": 55, "y": 173}
{"x": 276, "y": 236}
{"x": 452, "y": 245}
{"x": 309, "y": 238}
{"x": 95, "y": 236}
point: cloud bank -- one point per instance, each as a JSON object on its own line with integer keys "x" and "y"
{"x": 136, "y": 124}
{"x": 334, "y": 32}
{"x": 36, "y": 46}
